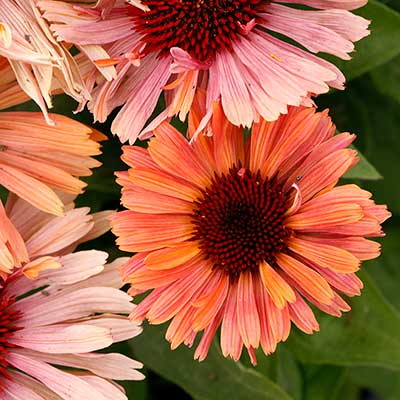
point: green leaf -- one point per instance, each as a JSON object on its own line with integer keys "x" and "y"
{"x": 213, "y": 379}
{"x": 136, "y": 390}
{"x": 386, "y": 274}
{"x": 385, "y": 383}
{"x": 378, "y": 48}
{"x": 289, "y": 374}
{"x": 316, "y": 387}
{"x": 368, "y": 335}
{"x": 387, "y": 79}
{"x": 363, "y": 170}
{"x": 385, "y": 270}
{"x": 283, "y": 369}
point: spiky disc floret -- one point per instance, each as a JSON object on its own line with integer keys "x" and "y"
{"x": 201, "y": 27}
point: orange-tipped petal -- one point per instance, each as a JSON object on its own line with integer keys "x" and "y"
{"x": 277, "y": 288}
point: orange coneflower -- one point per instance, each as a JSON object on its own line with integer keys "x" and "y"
{"x": 239, "y": 233}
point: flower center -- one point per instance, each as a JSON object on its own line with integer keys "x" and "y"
{"x": 8, "y": 320}
{"x": 239, "y": 221}
{"x": 201, "y": 27}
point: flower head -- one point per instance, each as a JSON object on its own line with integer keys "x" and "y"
{"x": 57, "y": 307}
{"x": 224, "y": 48}
{"x": 239, "y": 233}
{"x": 37, "y": 158}
{"x": 39, "y": 62}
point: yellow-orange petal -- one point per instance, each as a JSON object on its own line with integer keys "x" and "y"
{"x": 279, "y": 290}
{"x": 107, "y": 62}
{"x": 32, "y": 269}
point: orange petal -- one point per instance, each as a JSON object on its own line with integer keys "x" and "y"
{"x": 302, "y": 315}
{"x": 145, "y": 232}
{"x": 231, "y": 341}
{"x": 171, "y": 257}
{"x": 279, "y": 290}
{"x": 163, "y": 183}
{"x": 145, "y": 279}
{"x": 31, "y": 190}
{"x": 306, "y": 278}
{"x": 177, "y": 295}
{"x": 326, "y": 171}
{"x": 360, "y": 247}
{"x": 211, "y": 304}
{"x": 324, "y": 255}
{"x": 317, "y": 218}
{"x": 168, "y": 146}
{"x": 142, "y": 200}
{"x": 107, "y": 62}
{"x": 247, "y": 314}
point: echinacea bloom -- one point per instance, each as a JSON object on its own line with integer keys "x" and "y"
{"x": 244, "y": 234}
{"x": 226, "y": 48}
{"x": 40, "y": 64}
{"x": 36, "y": 158}
{"x": 57, "y": 308}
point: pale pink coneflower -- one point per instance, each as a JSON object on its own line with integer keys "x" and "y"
{"x": 244, "y": 234}
{"x": 57, "y": 307}
{"x": 40, "y": 64}
{"x": 37, "y": 159}
{"x": 227, "y": 48}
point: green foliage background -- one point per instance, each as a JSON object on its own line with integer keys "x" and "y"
{"x": 356, "y": 357}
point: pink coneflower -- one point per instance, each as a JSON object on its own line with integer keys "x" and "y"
{"x": 226, "y": 48}
{"x": 244, "y": 234}
{"x": 36, "y": 158}
{"x": 51, "y": 324}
